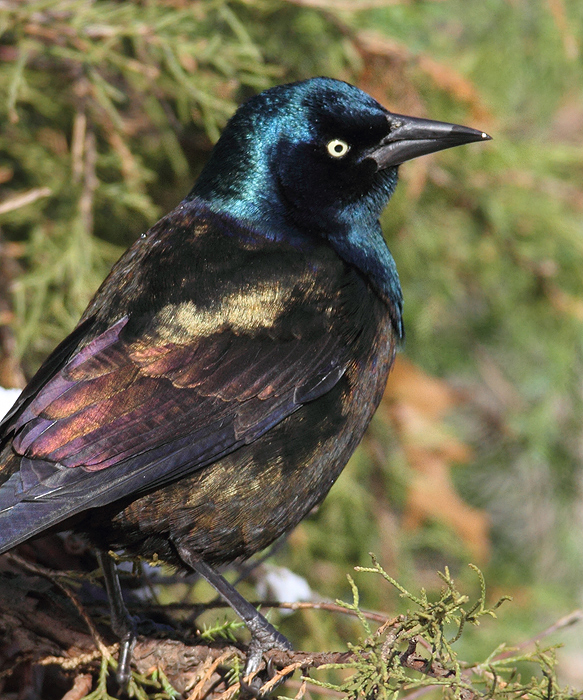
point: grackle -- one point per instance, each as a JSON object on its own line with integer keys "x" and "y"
{"x": 230, "y": 363}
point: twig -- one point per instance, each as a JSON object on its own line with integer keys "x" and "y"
{"x": 207, "y": 672}
{"x": 279, "y": 676}
{"x": 305, "y": 605}
{"x": 432, "y": 668}
{"x": 48, "y": 574}
{"x": 566, "y": 621}
{"x": 21, "y": 200}
{"x": 72, "y": 662}
{"x": 230, "y": 692}
{"x": 81, "y": 687}
{"x": 308, "y": 659}
{"x": 319, "y": 689}
{"x": 330, "y": 607}
{"x": 302, "y": 691}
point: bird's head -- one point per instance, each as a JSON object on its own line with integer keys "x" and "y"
{"x": 317, "y": 154}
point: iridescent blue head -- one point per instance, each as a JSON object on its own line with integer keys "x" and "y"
{"x": 319, "y": 158}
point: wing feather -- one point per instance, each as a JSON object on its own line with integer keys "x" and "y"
{"x": 110, "y": 404}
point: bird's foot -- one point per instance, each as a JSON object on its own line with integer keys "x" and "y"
{"x": 264, "y": 636}
{"x": 262, "y": 641}
{"x": 126, "y": 629}
{"x": 128, "y": 633}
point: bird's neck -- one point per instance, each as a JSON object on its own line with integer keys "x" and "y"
{"x": 364, "y": 247}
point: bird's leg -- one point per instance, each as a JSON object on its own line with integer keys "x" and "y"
{"x": 264, "y": 636}
{"x": 121, "y": 621}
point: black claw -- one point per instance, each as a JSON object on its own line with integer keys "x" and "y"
{"x": 254, "y": 657}
{"x": 252, "y": 689}
{"x": 124, "y": 657}
{"x": 270, "y": 669}
{"x": 263, "y": 639}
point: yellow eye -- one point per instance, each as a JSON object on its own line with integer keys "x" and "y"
{"x": 337, "y": 148}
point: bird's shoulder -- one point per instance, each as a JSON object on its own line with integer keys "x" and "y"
{"x": 216, "y": 266}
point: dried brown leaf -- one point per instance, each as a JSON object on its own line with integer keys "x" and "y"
{"x": 416, "y": 404}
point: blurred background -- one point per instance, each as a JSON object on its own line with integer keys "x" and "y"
{"x": 108, "y": 111}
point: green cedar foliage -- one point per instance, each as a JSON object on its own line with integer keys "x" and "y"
{"x": 108, "y": 109}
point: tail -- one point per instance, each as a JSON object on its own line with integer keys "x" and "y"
{"x": 21, "y": 520}
{"x": 22, "y": 513}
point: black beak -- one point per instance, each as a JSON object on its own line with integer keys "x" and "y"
{"x": 411, "y": 137}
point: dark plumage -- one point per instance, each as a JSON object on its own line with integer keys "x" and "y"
{"x": 227, "y": 368}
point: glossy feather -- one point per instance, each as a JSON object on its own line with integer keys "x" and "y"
{"x": 228, "y": 366}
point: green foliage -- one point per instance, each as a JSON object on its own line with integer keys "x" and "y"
{"x": 387, "y": 664}
{"x": 98, "y": 99}
{"x": 221, "y": 630}
{"x": 108, "y": 110}
{"x": 156, "y": 686}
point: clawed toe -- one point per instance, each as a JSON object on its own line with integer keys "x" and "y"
{"x": 251, "y": 689}
{"x": 257, "y": 649}
{"x": 126, "y": 646}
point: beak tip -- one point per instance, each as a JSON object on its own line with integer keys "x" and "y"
{"x": 467, "y": 134}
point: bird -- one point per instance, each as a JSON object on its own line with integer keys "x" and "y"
{"x": 228, "y": 366}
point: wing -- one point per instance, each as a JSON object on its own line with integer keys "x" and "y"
{"x": 51, "y": 365}
{"x": 135, "y": 409}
